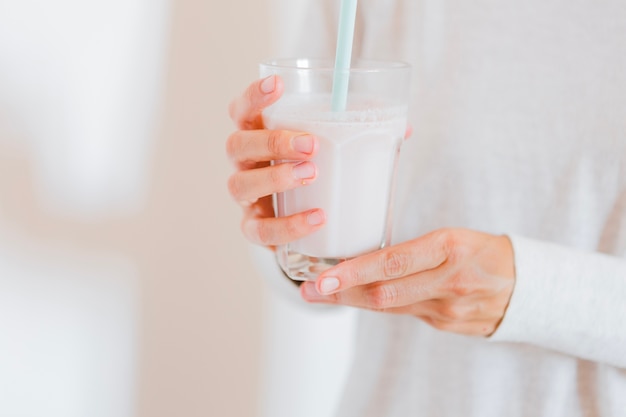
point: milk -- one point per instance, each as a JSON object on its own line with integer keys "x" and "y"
{"x": 356, "y": 165}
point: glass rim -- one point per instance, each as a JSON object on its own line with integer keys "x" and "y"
{"x": 328, "y": 65}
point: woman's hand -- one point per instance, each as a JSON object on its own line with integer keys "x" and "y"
{"x": 251, "y": 148}
{"x": 453, "y": 279}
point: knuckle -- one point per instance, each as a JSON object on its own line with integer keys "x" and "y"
{"x": 234, "y": 186}
{"x": 276, "y": 175}
{"x": 264, "y": 233}
{"x": 381, "y": 296}
{"x": 291, "y": 228}
{"x": 275, "y": 142}
{"x": 248, "y": 228}
{"x": 452, "y": 312}
{"x": 442, "y": 325}
{"x": 276, "y": 232}
{"x": 242, "y": 109}
{"x": 395, "y": 264}
{"x": 454, "y": 244}
{"x": 433, "y": 322}
{"x": 278, "y": 143}
{"x": 356, "y": 276}
{"x": 250, "y": 94}
{"x": 447, "y": 239}
{"x": 233, "y": 145}
{"x": 437, "y": 324}
{"x": 457, "y": 285}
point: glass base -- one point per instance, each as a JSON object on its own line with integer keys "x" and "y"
{"x": 300, "y": 267}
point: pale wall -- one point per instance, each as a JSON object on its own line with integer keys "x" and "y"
{"x": 143, "y": 303}
{"x": 202, "y": 308}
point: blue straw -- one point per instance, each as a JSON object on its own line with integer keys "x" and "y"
{"x": 345, "y": 37}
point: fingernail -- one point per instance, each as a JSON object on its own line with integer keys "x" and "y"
{"x": 304, "y": 143}
{"x": 304, "y": 170}
{"x": 268, "y": 85}
{"x": 328, "y": 285}
{"x": 315, "y": 218}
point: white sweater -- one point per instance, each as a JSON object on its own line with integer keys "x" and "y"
{"x": 519, "y": 117}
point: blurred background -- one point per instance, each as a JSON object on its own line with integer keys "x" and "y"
{"x": 125, "y": 286}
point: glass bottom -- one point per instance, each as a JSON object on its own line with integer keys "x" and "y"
{"x": 300, "y": 267}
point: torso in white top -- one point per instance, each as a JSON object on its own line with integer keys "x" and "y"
{"x": 519, "y": 119}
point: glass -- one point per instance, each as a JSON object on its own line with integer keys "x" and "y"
{"x": 356, "y": 161}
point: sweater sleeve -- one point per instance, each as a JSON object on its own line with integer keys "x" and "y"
{"x": 567, "y": 300}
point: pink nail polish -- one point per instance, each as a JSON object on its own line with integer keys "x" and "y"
{"x": 328, "y": 285}
{"x": 304, "y": 171}
{"x": 315, "y": 218}
{"x": 304, "y": 144}
{"x": 268, "y": 85}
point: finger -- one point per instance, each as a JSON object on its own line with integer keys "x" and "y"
{"x": 246, "y": 109}
{"x": 460, "y": 295}
{"x": 248, "y": 186}
{"x": 398, "y": 293}
{"x": 394, "y": 262}
{"x": 309, "y": 293}
{"x": 387, "y": 295}
{"x": 436, "y": 309}
{"x": 244, "y": 146}
{"x": 281, "y": 230}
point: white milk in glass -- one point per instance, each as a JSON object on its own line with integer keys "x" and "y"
{"x": 356, "y": 166}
